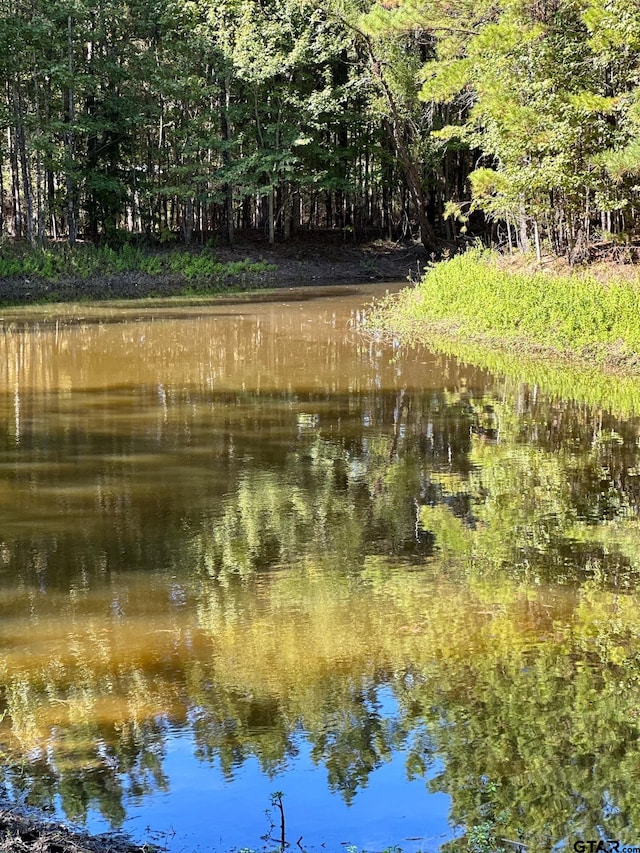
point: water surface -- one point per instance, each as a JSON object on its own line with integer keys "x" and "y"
{"x": 246, "y": 550}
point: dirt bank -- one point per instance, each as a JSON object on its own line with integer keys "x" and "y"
{"x": 26, "y": 833}
{"x": 299, "y": 263}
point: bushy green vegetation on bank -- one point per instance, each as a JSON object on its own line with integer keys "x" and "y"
{"x": 474, "y": 297}
{"x": 85, "y": 261}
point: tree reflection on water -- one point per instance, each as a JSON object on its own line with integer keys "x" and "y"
{"x": 471, "y": 550}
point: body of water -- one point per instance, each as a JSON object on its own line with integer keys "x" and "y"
{"x": 249, "y": 557}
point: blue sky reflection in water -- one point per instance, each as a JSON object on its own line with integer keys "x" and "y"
{"x": 208, "y": 812}
{"x": 245, "y": 549}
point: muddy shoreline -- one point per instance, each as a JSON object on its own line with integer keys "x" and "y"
{"x": 297, "y": 265}
{"x": 27, "y": 832}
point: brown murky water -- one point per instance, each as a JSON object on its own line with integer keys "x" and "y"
{"x": 245, "y": 549}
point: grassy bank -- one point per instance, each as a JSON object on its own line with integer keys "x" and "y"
{"x": 88, "y": 272}
{"x": 473, "y": 297}
{"x": 574, "y": 333}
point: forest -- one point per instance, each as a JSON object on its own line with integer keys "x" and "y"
{"x": 515, "y": 121}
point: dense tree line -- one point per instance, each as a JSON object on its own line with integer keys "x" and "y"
{"x": 546, "y": 92}
{"x": 192, "y": 117}
{"x": 517, "y": 119}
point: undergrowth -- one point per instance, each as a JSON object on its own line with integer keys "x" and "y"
{"x": 57, "y": 262}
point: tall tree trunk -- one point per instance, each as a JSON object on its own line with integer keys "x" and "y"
{"x": 295, "y": 211}
{"x": 16, "y": 201}
{"x": 51, "y": 203}
{"x": 286, "y": 211}
{"x": 407, "y": 161}
{"x": 72, "y": 223}
{"x": 523, "y": 235}
{"x": 17, "y": 103}
{"x": 226, "y": 158}
{"x": 186, "y": 225}
{"x": 271, "y": 216}
{"x": 2, "y": 195}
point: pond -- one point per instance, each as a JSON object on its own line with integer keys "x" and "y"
{"x": 250, "y": 558}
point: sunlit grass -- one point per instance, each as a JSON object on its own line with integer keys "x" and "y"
{"x": 577, "y": 337}
{"x": 559, "y": 311}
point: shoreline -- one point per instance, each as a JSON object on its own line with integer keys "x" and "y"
{"x": 300, "y": 264}
{"x": 25, "y": 831}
